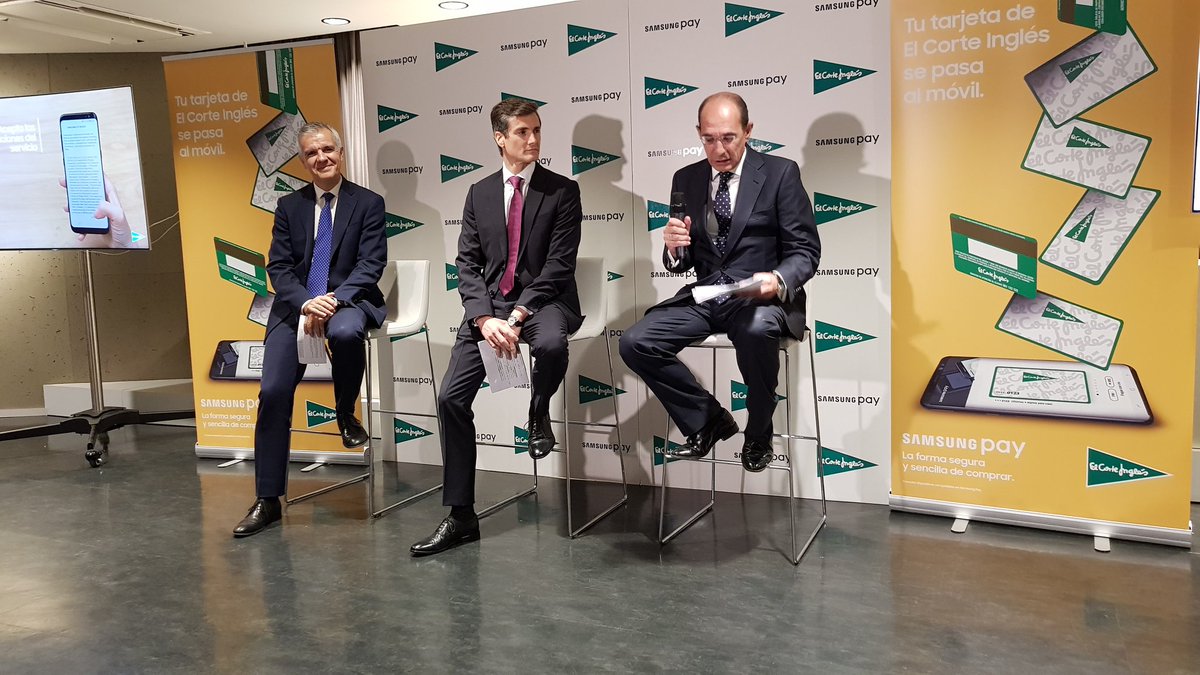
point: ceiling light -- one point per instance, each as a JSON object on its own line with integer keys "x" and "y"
{"x": 453, "y": 4}
{"x": 335, "y": 21}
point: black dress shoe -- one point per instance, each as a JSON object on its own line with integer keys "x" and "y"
{"x": 541, "y": 436}
{"x": 756, "y": 455}
{"x": 353, "y": 433}
{"x": 449, "y": 533}
{"x": 719, "y": 427}
{"x": 266, "y": 510}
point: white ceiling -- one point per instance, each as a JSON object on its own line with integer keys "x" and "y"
{"x": 59, "y": 26}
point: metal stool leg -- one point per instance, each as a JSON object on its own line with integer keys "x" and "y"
{"x": 620, "y": 454}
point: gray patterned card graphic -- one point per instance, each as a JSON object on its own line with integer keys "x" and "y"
{"x": 1088, "y": 74}
{"x": 1097, "y": 232}
{"x": 1063, "y": 327}
{"x": 1041, "y": 384}
{"x": 268, "y": 189}
{"x": 277, "y": 142}
{"x": 1087, "y": 154}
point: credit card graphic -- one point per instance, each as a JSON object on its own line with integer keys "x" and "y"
{"x": 1087, "y": 154}
{"x": 260, "y": 308}
{"x": 241, "y": 266}
{"x": 1097, "y": 232}
{"x": 268, "y": 189}
{"x": 999, "y": 257}
{"x": 1109, "y": 16}
{"x": 277, "y": 142}
{"x": 1040, "y": 384}
{"x": 277, "y": 79}
{"x": 1063, "y": 327}
{"x": 1091, "y": 72}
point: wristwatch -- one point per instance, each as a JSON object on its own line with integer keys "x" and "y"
{"x": 513, "y": 321}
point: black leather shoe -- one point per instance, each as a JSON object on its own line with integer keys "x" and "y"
{"x": 756, "y": 455}
{"x": 541, "y": 436}
{"x": 449, "y": 533}
{"x": 719, "y": 427}
{"x": 353, "y": 433}
{"x": 264, "y": 512}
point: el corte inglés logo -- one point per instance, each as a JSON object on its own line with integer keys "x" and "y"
{"x": 586, "y": 159}
{"x": 451, "y": 277}
{"x": 762, "y": 146}
{"x": 1106, "y": 469}
{"x": 1080, "y": 231}
{"x": 594, "y": 390}
{"x": 1053, "y": 311}
{"x": 1035, "y": 377}
{"x": 827, "y": 208}
{"x": 395, "y": 225}
{"x": 452, "y": 167}
{"x": 827, "y": 75}
{"x": 1082, "y": 139}
{"x": 520, "y": 440}
{"x": 830, "y": 337}
{"x": 408, "y": 432}
{"x": 445, "y": 56}
{"x": 282, "y": 186}
{"x": 390, "y": 117}
{"x": 316, "y": 414}
{"x": 657, "y": 215}
{"x": 661, "y": 91}
{"x": 613, "y": 276}
{"x": 504, "y": 96}
{"x": 738, "y": 391}
{"x": 660, "y": 445}
{"x": 1073, "y": 69}
{"x": 740, "y": 17}
{"x": 580, "y": 38}
{"x": 274, "y": 134}
{"x": 834, "y": 462}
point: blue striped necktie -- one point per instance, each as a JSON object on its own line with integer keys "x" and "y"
{"x": 318, "y": 271}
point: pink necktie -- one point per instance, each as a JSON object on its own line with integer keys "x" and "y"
{"x": 514, "y": 236}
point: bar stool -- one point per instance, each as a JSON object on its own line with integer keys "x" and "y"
{"x": 718, "y": 342}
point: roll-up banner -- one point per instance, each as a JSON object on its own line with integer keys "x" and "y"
{"x": 1044, "y": 305}
{"x": 234, "y": 122}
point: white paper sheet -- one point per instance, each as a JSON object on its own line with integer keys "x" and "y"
{"x": 706, "y": 293}
{"x": 503, "y": 373}
{"x": 311, "y": 349}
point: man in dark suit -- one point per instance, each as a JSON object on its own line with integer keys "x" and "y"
{"x": 516, "y": 274}
{"x": 747, "y": 216}
{"x": 328, "y": 250}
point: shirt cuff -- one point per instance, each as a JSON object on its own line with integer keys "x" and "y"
{"x": 783, "y": 289}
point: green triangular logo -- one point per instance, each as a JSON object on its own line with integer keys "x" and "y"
{"x": 659, "y": 444}
{"x": 316, "y": 414}
{"x": 452, "y": 167}
{"x": 661, "y": 91}
{"x": 835, "y": 462}
{"x": 504, "y": 96}
{"x": 520, "y": 440}
{"x": 827, "y": 208}
{"x": 759, "y": 145}
{"x": 451, "y": 277}
{"x": 445, "y": 56}
{"x": 657, "y": 215}
{"x": 740, "y": 17}
{"x": 594, "y": 390}
{"x": 484, "y": 385}
{"x": 1053, "y": 311}
{"x": 737, "y": 395}
{"x": 395, "y": 225}
{"x": 408, "y": 432}
{"x": 1073, "y": 69}
{"x": 1106, "y": 469}
{"x": 1080, "y": 231}
{"x": 613, "y": 276}
{"x": 830, "y": 337}
{"x": 1082, "y": 139}
{"x": 274, "y": 134}
{"x": 1034, "y": 377}
{"x": 420, "y": 330}
{"x": 586, "y": 159}
{"x": 580, "y": 38}
{"x": 390, "y": 117}
{"x": 827, "y": 75}
{"x": 282, "y": 186}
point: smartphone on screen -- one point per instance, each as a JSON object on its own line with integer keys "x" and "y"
{"x": 84, "y": 171}
{"x": 1067, "y": 389}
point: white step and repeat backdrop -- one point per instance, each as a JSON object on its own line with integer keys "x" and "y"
{"x": 619, "y": 83}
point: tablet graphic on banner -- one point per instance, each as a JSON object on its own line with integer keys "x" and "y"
{"x": 580, "y": 38}
{"x": 999, "y": 257}
{"x": 834, "y": 462}
{"x": 741, "y": 17}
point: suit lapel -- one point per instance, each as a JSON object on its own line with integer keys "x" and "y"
{"x": 345, "y": 208}
{"x": 305, "y": 222}
{"x": 533, "y": 201}
{"x": 749, "y": 185}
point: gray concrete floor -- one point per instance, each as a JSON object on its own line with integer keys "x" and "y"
{"x": 131, "y": 568}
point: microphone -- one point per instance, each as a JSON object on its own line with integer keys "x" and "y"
{"x": 678, "y": 205}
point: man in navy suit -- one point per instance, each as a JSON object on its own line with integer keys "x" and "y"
{"x": 747, "y": 216}
{"x": 516, "y": 274}
{"x": 328, "y": 250}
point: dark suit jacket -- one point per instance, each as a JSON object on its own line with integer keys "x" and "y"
{"x": 550, "y": 231}
{"x": 359, "y": 252}
{"x": 772, "y": 229}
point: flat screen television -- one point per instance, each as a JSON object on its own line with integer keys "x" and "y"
{"x": 71, "y": 173}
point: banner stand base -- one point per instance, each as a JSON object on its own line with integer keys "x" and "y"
{"x": 306, "y": 456}
{"x": 1102, "y": 544}
{"x": 1098, "y": 529}
{"x": 959, "y": 525}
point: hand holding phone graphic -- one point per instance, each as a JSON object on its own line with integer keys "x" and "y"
{"x": 93, "y": 207}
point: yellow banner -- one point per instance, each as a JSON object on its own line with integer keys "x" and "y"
{"x": 1044, "y": 295}
{"x": 235, "y": 118}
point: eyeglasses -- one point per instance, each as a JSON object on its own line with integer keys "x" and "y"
{"x": 727, "y": 139}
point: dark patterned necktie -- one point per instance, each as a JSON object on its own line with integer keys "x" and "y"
{"x": 723, "y": 209}
{"x": 318, "y": 271}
